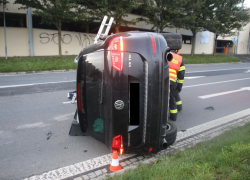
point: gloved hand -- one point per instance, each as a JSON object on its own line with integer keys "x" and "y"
{"x": 179, "y": 87}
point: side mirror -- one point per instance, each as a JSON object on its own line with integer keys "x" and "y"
{"x": 76, "y": 59}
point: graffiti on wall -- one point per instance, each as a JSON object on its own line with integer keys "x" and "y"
{"x": 241, "y": 46}
{"x": 83, "y": 39}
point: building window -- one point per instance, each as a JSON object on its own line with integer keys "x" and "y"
{"x": 186, "y": 39}
{"x": 13, "y": 20}
{"x": 137, "y": 11}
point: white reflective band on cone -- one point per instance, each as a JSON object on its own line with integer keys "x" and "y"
{"x": 115, "y": 162}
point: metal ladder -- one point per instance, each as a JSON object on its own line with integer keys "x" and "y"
{"x": 102, "y": 26}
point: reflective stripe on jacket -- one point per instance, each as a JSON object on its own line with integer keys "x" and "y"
{"x": 174, "y": 66}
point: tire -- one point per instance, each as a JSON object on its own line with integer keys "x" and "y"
{"x": 173, "y": 40}
{"x": 171, "y": 133}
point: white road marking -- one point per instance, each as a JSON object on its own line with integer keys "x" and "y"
{"x": 219, "y": 82}
{"x": 20, "y": 85}
{"x": 92, "y": 164}
{"x": 248, "y": 71}
{"x": 217, "y": 70}
{"x": 67, "y": 102}
{"x": 223, "y": 93}
{"x": 64, "y": 117}
{"x": 35, "y": 125}
{"x": 194, "y": 77}
{"x": 38, "y": 73}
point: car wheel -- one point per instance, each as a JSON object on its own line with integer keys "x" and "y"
{"x": 174, "y": 40}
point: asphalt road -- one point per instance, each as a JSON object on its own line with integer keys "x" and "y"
{"x": 31, "y": 106}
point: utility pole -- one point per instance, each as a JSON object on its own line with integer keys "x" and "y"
{"x": 4, "y": 31}
{"x": 30, "y": 31}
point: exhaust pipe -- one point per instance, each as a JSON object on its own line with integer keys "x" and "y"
{"x": 164, "y": 144}
{"x": 168, "y": 56}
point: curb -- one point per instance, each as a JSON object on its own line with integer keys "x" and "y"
{"x": 37, "y": 72}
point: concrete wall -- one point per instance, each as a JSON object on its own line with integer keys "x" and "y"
{"x": 243, "y": 40}
{"x": 204, "y": 48}
{"x": 17, "y": 42}
{"x": 186, "y": 49}
{"x": 46, "y": 42}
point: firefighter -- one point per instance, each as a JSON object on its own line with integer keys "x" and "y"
{"x": 177, "y": 72}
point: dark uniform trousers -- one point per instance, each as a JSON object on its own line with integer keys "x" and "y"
{"x": 178, "y": 101}
{"x": 175, "y": 103}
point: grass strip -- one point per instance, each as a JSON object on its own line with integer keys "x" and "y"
{"x": 67, "y": 62}
{"x": 222, "y": 158}
{"x": 37, "y": 63}
{"x": 204, "y": 59}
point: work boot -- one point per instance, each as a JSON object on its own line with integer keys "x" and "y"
{"x": 179, "y": 107}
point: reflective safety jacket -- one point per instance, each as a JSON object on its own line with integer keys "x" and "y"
{"x": 176, "y": 68}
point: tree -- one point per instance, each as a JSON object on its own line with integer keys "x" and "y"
{"x": 160, "y": 13}
{"x": 85, "y": 13}
{"x": 227, "y": 18}
{"x": 193, "y": 15}
{"x": 4, "y": 2}
{"x": 53, "y": 12}
{"x": 112, "y": 8}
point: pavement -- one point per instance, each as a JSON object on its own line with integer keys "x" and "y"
{"x": 33, "y": 108}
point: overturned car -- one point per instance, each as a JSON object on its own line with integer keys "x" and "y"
{"x": 123, "y": 91}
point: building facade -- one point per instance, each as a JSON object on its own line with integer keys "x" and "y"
{"x": 75, "y": 38}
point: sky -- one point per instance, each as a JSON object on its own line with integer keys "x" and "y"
{"x": 247, "y": 3}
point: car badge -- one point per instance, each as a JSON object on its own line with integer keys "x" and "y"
{"x": 119, "y": 104}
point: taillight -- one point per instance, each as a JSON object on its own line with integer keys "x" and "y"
{"x": 150, "y": 150}
{"x": 79, "y": 96}
{"x": 153, "y": 44}
{"x": 116, "y": 47}
{"x": 117, "y": 144}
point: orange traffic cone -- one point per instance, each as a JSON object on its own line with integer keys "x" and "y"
{"x": 115, "y": 166}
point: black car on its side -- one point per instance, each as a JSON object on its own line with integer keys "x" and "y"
{"x": 123, "y": 91}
